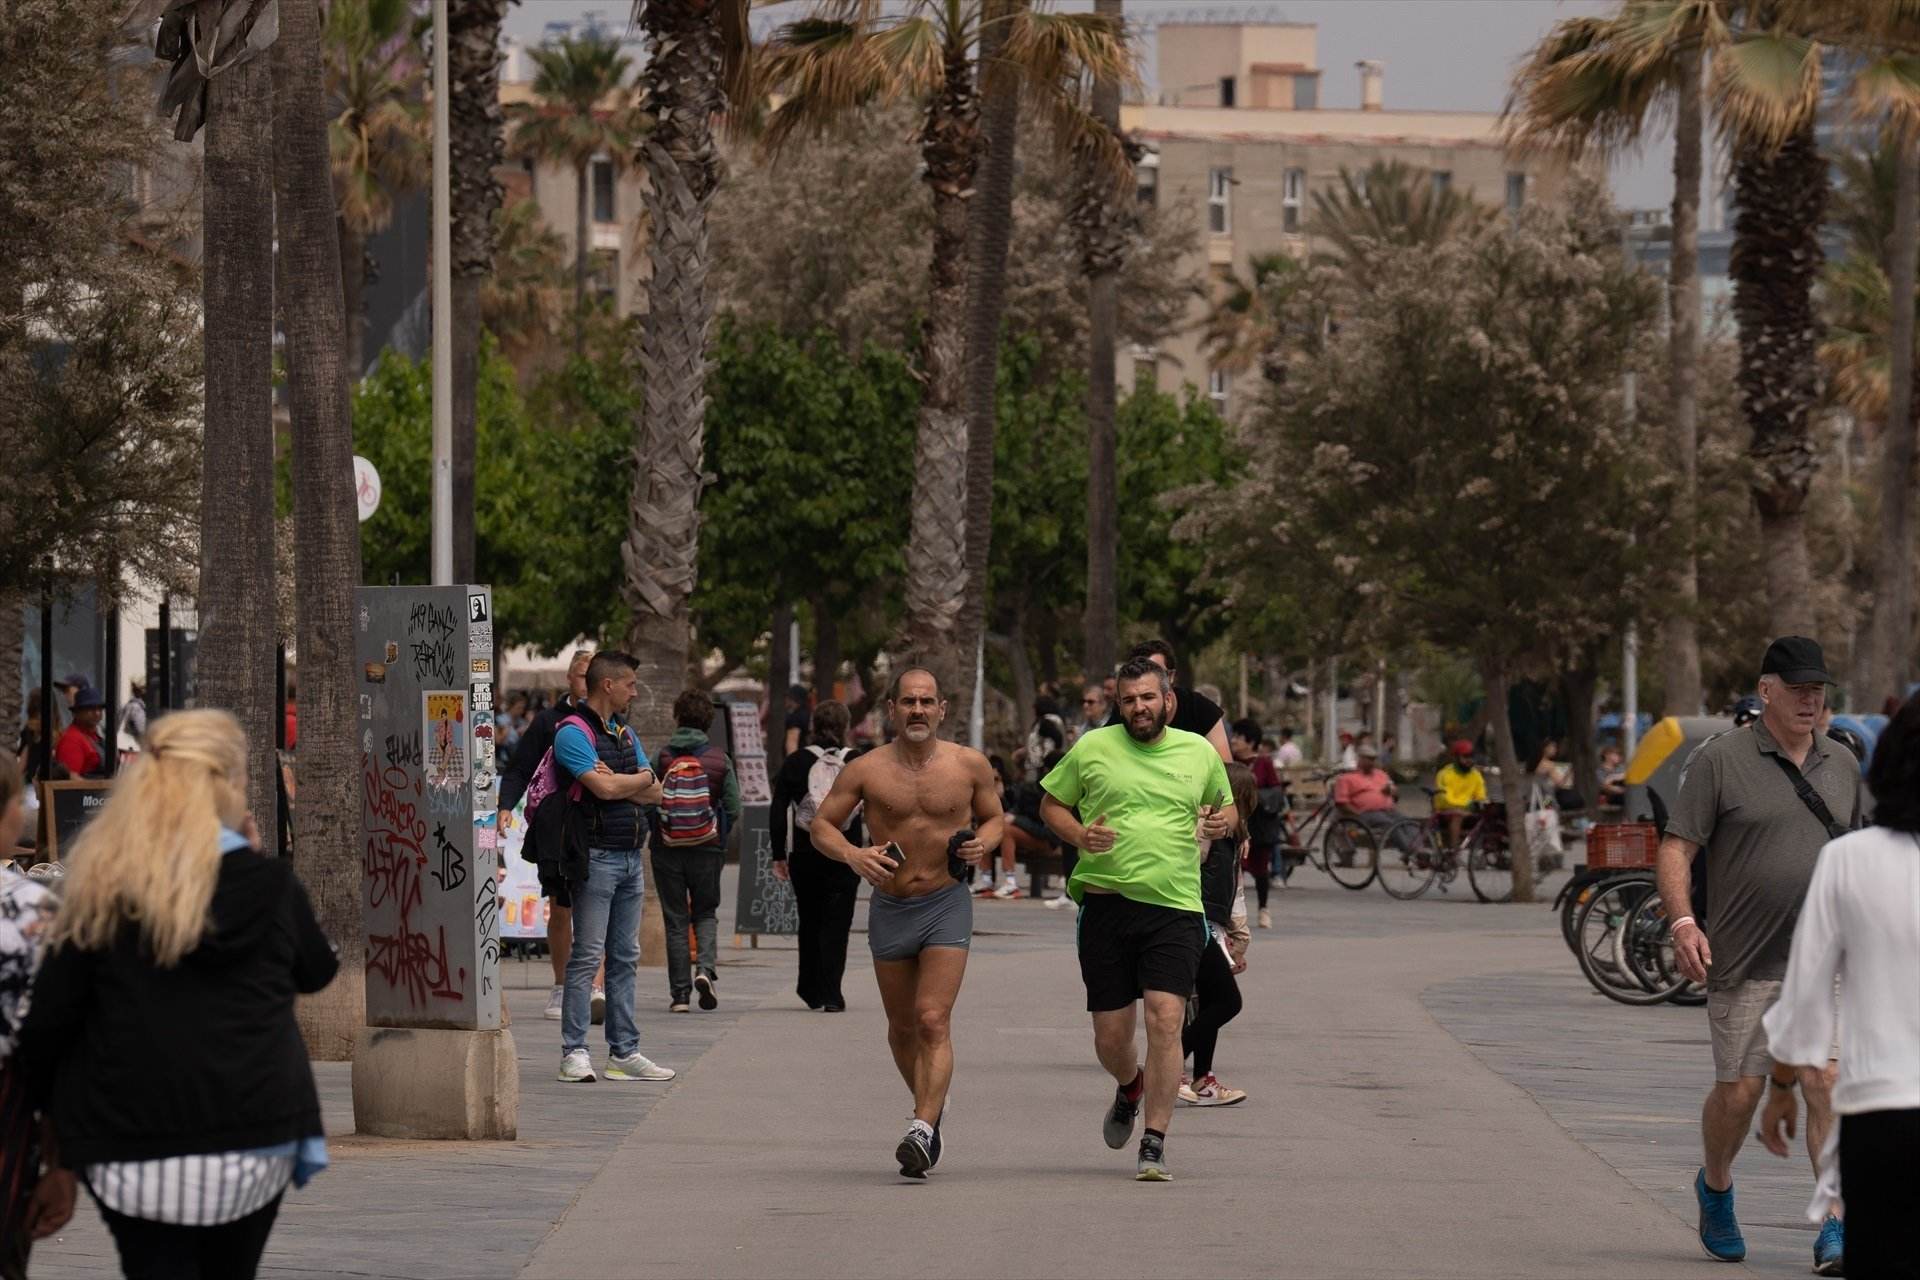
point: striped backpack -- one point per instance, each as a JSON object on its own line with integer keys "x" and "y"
{"x": 689, "y": 816}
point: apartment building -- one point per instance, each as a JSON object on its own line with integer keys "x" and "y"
{"x": 1237, "y": 134}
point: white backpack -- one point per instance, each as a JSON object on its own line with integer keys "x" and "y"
{"x": 826, "y": 767}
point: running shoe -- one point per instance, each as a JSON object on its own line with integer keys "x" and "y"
{"x": 576, "y": 1068}
{"x": 1719, "y": 1229}
{"x": 1119, "y": 1124}
{"x": 597, "y": 1007}
{"x": 1207, "y": 1091}
{"x": 915, "y": 1152}
{"x": 1186, "y": 1093}
{"x": 637, "y": 1066}
{"x": 679, "y": 1005}
{"x": 983, "y": 888}
{"x": 703, "y": 986}
{"x": 1153, "y": 1161}
{"x": 1008, "y": 889}
{"x": 1054, "y": 904}
{"x": 556, "y": 1002}
{"x": 1830, "y": 1248}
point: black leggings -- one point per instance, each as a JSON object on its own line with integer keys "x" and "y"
{"x": 1219, "y": 999}
{"x": 161, "y": 1251}
{"x": 1260, "y": 863}
{"x": 1881, "y": 1184}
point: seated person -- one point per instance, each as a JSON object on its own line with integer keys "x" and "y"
{"x": 1458, "y": 787}
{"x": 1613, "y": 777}
{"x": 1367, "y": 793}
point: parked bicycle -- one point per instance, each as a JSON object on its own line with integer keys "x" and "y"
{"x": 1347, "y": 848}
{"x": 1615, "y": 923}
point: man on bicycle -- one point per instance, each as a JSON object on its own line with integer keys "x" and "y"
{"x": 1458, "y": 787}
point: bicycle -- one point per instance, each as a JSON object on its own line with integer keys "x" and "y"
{"x": 1414, "y": 856}
{"x": 1625, "y": 948}
{"x": 1349, "y": 853}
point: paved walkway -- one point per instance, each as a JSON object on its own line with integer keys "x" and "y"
{"x": 1435, "y": 1093}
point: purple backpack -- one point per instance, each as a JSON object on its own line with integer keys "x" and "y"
{"x": 546, "y": 778}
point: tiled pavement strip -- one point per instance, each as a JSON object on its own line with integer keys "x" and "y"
{"x": 1624, "y": 1082}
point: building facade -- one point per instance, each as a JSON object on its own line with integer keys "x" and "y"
{"x": 1236, "y": 134}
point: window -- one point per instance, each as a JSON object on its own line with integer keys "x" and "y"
{"x": 1219, "y": 220}
{"x": 1217, "y": 390}
{"x": 602, "y": 184}
{"x": 1306, "y": 92}
{"x": 604, "y": 274}
{"x": 1442, "y": 181}
{"x": 1516, "y": 191}
{"x": 1226, "y": 91}
{"x": 1146, "y": 181}
{"x": 1293, "y": 191}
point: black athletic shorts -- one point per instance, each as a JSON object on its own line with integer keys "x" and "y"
{"x": 1129, "y": 947}
{"x": 553, "y": 886}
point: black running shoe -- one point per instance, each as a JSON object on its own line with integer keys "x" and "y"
{"x": 1119, "y": 1124}
{"x": 915, "y": 1154}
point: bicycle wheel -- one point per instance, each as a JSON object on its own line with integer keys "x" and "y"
{"x": 1408, "y": 860}
{"x": 1610, "y": 937}
{"x": 1490, "y": 871}
{"x": 1576, "y": 898}
{"x": 1352, "y": 858}
{"x": 1647, "y": 947}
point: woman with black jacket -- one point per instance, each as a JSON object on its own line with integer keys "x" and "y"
{"x": 161, "y": 1036}
{"x": 824, "y": 889}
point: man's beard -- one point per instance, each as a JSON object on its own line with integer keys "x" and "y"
{"x": 1153, "y": 731}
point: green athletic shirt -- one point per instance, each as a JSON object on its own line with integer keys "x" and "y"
{"x": 1152, "y": 797}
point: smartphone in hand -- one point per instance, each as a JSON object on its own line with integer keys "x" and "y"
{"x": 893, "y": 851}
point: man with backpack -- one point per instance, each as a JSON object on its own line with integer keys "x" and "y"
{"x": 699, "y": 802}
{"x": 825, "y": 890}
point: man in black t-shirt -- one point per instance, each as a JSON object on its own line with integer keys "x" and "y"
{"x": 1192, "y": 710}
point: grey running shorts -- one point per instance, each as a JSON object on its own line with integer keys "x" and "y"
{"x": 901, "y": 928}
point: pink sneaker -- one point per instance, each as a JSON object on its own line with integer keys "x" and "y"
{"x": 1209, "y": 1092}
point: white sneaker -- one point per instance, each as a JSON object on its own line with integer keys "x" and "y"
{"x": 576, "y": 1068}
{"x": 1266, "y": 918}
{"x": 1209, "y": 1092}
{"x": 1009, "y": 888}
{"x": 556, "y": 1001}
{"x": 1054, "y": 904}
{"x": 597, "y": 1007}
{"x": 637, "y": 1067}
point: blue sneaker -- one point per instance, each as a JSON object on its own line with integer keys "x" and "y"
{"x": 1719, "y": 1230}
{"x": 1830, "y": 1248}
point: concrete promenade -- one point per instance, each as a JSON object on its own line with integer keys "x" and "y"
{"x": 1435, "y": 1092}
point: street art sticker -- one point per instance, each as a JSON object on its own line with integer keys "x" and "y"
{"x": 444, "y": 733}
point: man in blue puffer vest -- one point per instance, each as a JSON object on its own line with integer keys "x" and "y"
{"x": 606, "y": 885}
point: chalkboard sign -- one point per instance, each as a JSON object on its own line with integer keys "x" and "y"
{"x": 72, "y": 806}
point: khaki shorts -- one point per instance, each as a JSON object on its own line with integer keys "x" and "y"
{"x": 1739, "y": 1038}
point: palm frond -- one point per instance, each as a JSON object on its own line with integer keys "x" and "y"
{"x": 1766, "y": 85}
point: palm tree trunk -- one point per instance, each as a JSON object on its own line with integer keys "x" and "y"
{"x": 353, "y": 291}
{"x": 1893, "y": 569}
{"x": 477, "y": 141}
{"x": 1680, "y": 636}
{"x": 236, "y": 659}
{"x": 1782, "y": 194}
{"x": 681, "y": 90}
{"x": 936, "y": 543}
{"x": 990, "y": 229}
{"x": 326, "y": 544}
{"x": 581, "y": 237}
{"x": 1513, "y": 780}
{"x": 1102, "y": 251}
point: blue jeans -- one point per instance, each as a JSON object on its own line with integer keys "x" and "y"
{"x": 606, "y": 922}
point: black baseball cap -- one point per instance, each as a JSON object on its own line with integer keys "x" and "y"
{"x": 1796, "y": 660}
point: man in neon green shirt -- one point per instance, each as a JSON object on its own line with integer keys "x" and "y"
{"x": 1159, "y": 796}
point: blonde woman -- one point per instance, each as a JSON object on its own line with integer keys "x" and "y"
{"x": 161, "y": 1036}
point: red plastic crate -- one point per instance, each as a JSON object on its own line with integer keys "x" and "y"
{"x": 1621, "y": 845}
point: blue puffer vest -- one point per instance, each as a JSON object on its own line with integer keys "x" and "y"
{"x": 613, "y": 824}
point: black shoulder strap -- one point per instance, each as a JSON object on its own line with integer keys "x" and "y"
{"x": 1809, "y": 797}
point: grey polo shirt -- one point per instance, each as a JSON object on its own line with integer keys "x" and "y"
{"x": 1761, "y": 842}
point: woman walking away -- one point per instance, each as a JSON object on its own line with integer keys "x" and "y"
{"x": 174, "y": 929}
{"x": 823, "y": 889}
{"x": 1862, "y": 916}
{"x": 1216, "y": 994}
{"x": 31, "y": 1206}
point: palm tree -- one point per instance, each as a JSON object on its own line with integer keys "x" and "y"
{"x": 581, "y": 114}
{"x": 326, "y": 539}
{"x": 1267, "y": 321}
{"x": 475, "y": 142}
{"x": 851, "y": 54}
{"x": 1597, "y": 83}
{"x": 378, "y": 136}
{"x": 1103, "y": 225}
{"x": 523, "y": 299}
{"x": 1387, "y": 205}
{"x": 235, "y": 665}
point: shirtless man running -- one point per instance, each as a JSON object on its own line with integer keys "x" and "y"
{"x": 918, "y": 792}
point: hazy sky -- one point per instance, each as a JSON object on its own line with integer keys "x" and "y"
{"x": 1439, "y": 54}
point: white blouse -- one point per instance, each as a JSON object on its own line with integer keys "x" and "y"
{"x": 1860, "y": 921}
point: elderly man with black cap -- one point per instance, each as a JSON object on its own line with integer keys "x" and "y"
{"x": 1761, "y": 801}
